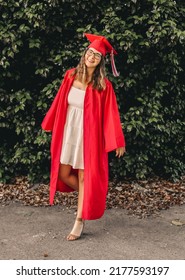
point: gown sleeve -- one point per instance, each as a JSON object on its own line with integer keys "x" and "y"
{"x": 113, "y": 133}
{"x": 48, "y": 121}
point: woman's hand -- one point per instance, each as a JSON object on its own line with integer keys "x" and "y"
{"x": 120, "y": 151}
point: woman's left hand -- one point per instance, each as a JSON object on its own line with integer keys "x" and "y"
{"x": 120, "y": 151}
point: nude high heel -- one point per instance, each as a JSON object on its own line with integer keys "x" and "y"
{"x": 73, "y": 237}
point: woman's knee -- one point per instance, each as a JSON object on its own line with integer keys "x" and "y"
{"x": 64, "y": 173}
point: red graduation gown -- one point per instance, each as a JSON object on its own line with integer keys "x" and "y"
{"x": 102, "y": 133}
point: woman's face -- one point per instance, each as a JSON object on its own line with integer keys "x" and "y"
{"x": 92, "y": 58}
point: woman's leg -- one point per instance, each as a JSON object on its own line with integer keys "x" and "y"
{"x": 69, "y": 179}
{"x": 81, "y": 192}
{"x": 79, "y": 224}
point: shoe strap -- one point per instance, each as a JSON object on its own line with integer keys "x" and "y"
{"x": 79, "y": 219}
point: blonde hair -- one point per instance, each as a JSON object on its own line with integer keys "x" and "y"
{"x": 98, "y": 77}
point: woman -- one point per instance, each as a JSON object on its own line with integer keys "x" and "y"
{"x": 85, "y": 125}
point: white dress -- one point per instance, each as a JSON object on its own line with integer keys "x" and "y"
{"x": 72, "y": 147}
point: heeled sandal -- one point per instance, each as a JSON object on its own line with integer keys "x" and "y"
{"x": 74, "y": 236}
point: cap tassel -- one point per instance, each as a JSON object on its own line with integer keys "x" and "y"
{"x": 114, "y": 70}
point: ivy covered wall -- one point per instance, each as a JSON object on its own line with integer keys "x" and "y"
{"x": 40, "y": 40}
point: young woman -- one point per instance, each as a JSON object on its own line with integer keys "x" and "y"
{"x": 85, "y": 125}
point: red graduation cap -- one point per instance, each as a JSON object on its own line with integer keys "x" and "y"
{"x": 101, "y": 44}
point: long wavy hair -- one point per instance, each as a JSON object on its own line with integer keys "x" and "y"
{"x": 98, "y": 77}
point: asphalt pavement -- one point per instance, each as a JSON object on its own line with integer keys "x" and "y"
{"x": 38, "y": 233}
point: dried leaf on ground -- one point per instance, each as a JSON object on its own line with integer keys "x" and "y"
{"x": 177, "y": 222}
{"x": 140, "y": 198}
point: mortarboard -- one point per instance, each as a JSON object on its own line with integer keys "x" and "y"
{"x": 102, "y": 45}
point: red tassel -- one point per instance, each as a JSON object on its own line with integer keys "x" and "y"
{"x": 114, "y": 70}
